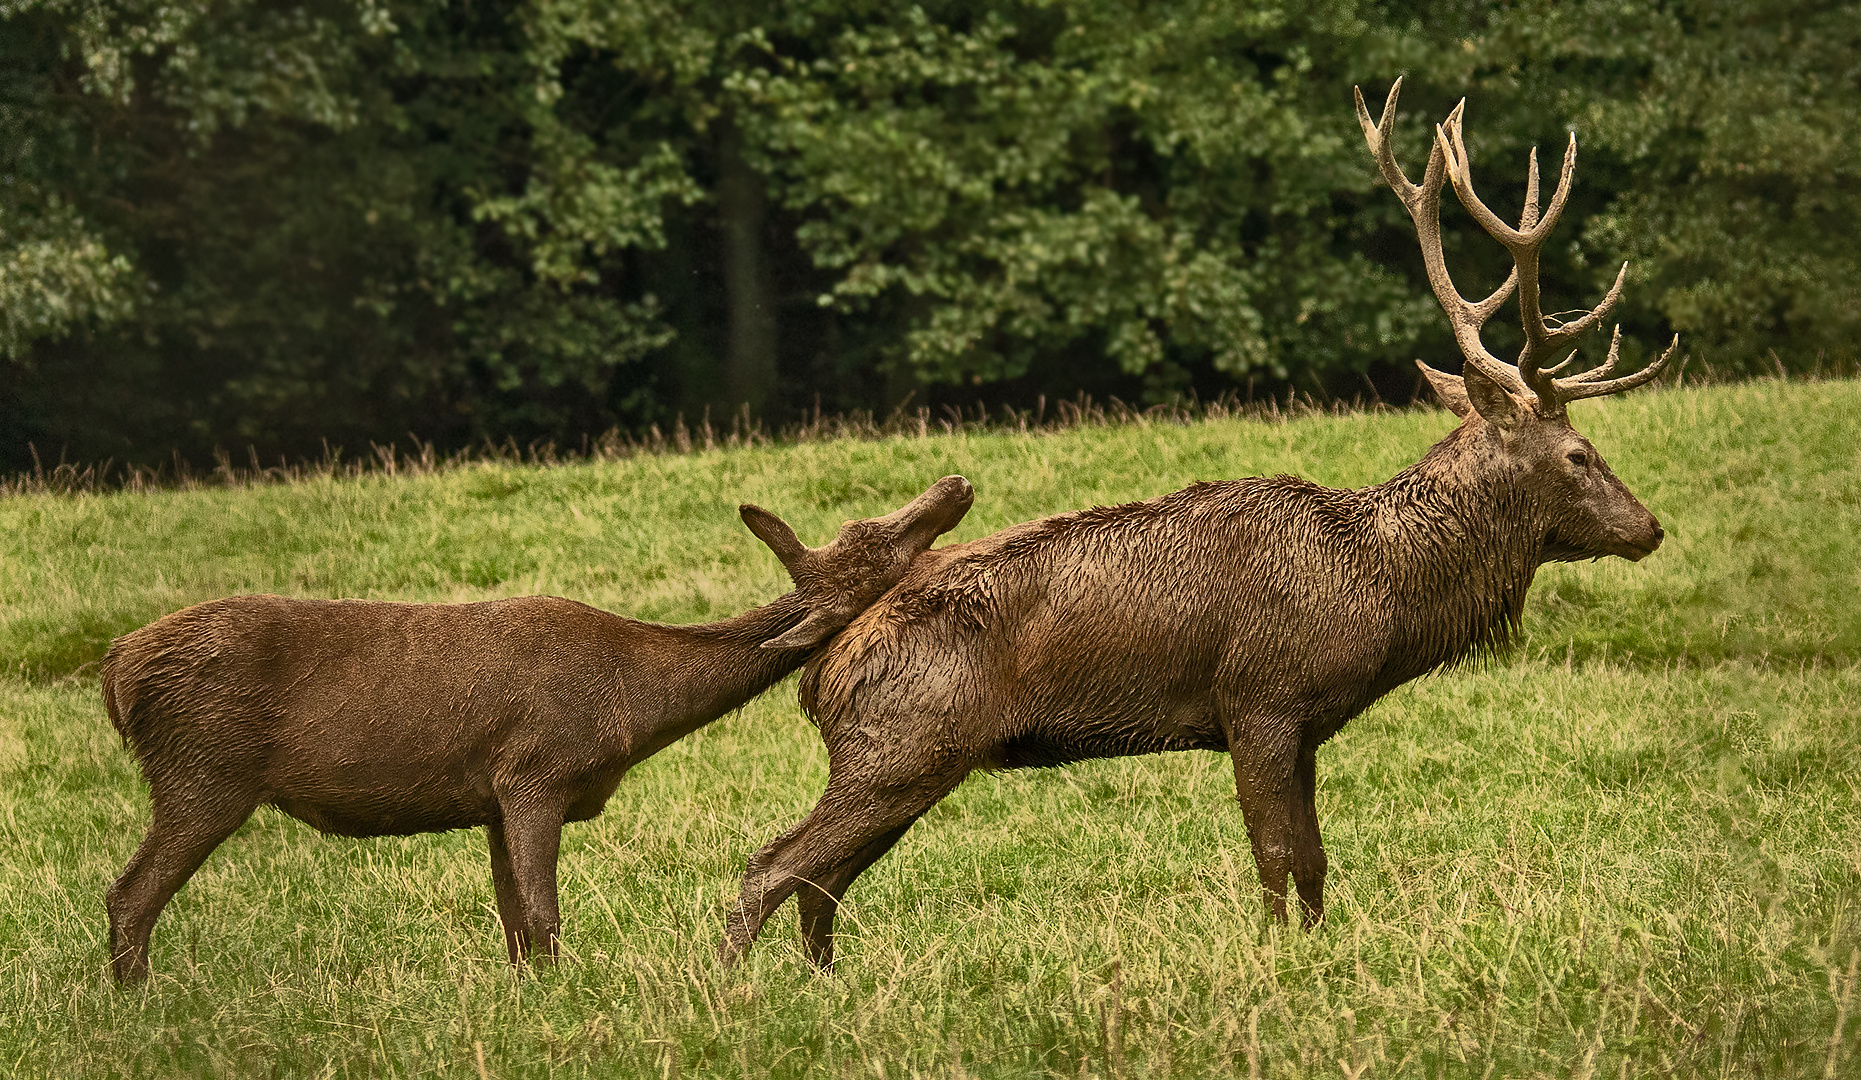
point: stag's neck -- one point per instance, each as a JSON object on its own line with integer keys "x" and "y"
{"x": 708, "y": 670}
{"x": 1462, "y": 542}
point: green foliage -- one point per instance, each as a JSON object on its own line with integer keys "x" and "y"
{"x": 1631, "y": 847}
{"x": 1736, "y": 128}
{"x": 1156, "y": 181}
{"x": 55, "y": 275}
{"x": 306, "y": 204}
{"x": 246, "y": 224}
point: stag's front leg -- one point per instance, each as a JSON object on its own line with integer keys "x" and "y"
{"x": 1265, "y": 788}
{"x": 1308, "y": 850}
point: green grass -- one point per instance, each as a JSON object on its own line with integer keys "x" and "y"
{"x": 1632, "y": 847}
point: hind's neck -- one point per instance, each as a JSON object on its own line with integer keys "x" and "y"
{"x": 702, "y": 672}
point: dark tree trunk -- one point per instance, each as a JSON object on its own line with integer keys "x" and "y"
{"x": 749, "y": 365}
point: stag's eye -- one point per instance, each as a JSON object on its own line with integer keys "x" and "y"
{"x": 1578, "y": 458}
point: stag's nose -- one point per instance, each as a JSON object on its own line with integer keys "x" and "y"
{"x": 1650, "y": 539}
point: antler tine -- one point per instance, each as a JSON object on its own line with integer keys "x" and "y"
{"x": 1523, "y": 243}
{"x": 1602, "y": 370}
{"x": 1576, "y": 387}
{"x": 1532, "y": 230}
{"x": 1594, "y": 315}
{"x": 1566, "y": 361}
{"x": 1423, "y": 202}
{"x": 1377, "y": 135}
{"x": 1530, "y": 216}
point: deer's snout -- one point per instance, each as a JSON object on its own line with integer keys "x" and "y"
{"x": 1642, "y": 546}
{"x": 956, "y": 489}
{"x": 939, "y": 509}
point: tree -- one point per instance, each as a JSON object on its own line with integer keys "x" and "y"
{"x": 1735, "y": 132}
{"x": 302, "y": 208}
{"x": 347, "y": 220}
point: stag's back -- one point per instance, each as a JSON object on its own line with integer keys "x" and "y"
{"x": 1105, "y": 631}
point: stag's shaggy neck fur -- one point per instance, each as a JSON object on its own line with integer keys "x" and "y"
{"x": 1457, "y": 540}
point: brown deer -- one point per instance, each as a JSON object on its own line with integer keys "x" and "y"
{"x": 384, "y": 719}
{"x": 1253, "y": 616}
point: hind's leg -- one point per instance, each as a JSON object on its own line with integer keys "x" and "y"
{"x": 528, "y": 839}
{"x": 181, "y": 836}
{"x": 504, "y": 883}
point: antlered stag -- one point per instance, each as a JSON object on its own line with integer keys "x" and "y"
{"x": 385, "y": 719}
{"x": 1253, "y": 616}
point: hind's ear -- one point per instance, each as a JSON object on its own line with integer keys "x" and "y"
{"x": 1451, "y": 389}
{"x": 809, "y": 632}
{"x": 774, "y": 532}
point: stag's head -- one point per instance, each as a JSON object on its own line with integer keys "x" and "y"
{"x": 838, "y": 581}
{"x": 1519, "y": 409}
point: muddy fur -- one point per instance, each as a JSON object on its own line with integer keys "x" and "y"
{"x": 1252, "y": 616}
{"x": 378, "y": 719}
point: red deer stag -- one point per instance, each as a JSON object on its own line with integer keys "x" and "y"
{"x": 384, "y": 719}
{"x": 1252, "y": 616}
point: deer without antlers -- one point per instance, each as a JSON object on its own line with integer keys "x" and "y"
{"x": 383, "y": 719}
{"x": 1254, "y": 617}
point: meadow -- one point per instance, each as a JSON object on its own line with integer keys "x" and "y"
{"x": 1631, "y": 846}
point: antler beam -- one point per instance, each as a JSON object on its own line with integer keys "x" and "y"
{"x": 1448, "y": 161}
{"x": 1423, "y": 202}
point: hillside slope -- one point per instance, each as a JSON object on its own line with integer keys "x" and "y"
{"x": 1630, "y": 847}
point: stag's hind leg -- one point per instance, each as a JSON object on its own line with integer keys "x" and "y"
{"x": 819, "y": 898}
{"x": 856, "y": 822}
{"x": 182, "y": 833}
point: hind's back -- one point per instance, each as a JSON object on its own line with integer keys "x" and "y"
{"x": 176, "y": 691}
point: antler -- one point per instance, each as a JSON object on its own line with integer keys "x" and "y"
{"x": 1424, "y": 205}
{"x": 1448, "y": 160}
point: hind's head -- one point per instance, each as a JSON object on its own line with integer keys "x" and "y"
{"x": 838, "y": 581}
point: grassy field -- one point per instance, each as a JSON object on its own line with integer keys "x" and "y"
{"x": 1633, "y": 847}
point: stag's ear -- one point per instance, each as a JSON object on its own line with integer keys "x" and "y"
{"x": 774, "y": 532}
{"x": 1494, "y": 404}
{"x": 809, "y": 632}
{"x": 1449, "y": 388}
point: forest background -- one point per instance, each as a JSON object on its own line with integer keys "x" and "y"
{"x": 278, "y": 227}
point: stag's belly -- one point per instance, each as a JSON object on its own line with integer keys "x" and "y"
{"x": 1064, "y": 740}
{"x": 1188, "y": 690}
